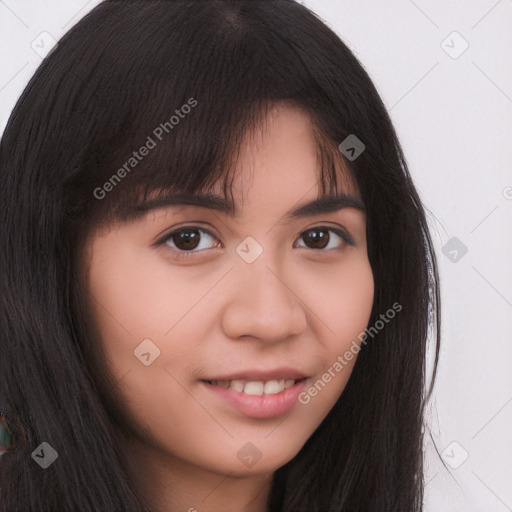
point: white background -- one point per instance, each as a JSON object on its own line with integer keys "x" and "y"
{"x": 453, "y": 116}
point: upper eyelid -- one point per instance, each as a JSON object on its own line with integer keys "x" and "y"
{"x": 167, "y": 235}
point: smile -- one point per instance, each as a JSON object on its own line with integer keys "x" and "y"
{"x": 256, "y": 387}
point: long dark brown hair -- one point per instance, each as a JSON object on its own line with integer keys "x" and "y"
{"x": 111, "y": 81}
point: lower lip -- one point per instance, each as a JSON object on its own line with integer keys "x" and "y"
{"x": 264, "y": 406}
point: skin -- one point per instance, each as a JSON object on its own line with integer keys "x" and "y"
{"x": 293, "y": 306}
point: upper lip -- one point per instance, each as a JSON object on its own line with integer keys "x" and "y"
{"x": 265, "y": 375}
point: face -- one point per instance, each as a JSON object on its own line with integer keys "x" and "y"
{"x": 225, "y": 337}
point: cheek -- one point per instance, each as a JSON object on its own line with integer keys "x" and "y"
{"x": 126, "y": 291}
{"x": 343, "y": 306}
{"x": 133, "y": 296}
{"x": 151, "y": 323}
{"x": 342, "y": 299}
{"x": 147, "y": 323}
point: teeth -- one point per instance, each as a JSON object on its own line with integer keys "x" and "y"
{"x": 288, "y": 383}
{"x": 237, "y": 385}
{"x": 274, "y": 386}
{"x": 256, "y": 388}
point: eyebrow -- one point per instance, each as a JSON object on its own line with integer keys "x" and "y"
{"x": 325, "y": 204}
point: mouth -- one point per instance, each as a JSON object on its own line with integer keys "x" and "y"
{"x": 256, "y": 387}
{"x": 258, "y": 399}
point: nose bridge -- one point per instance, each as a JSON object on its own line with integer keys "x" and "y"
{"x": 262, "y": 302}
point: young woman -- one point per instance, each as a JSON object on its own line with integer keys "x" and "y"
{"x": 218, "y": 281}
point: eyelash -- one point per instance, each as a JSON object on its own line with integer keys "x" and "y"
{"x": 187, "y": 254}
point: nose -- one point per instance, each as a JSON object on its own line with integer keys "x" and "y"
{"x": 263, "y": 303}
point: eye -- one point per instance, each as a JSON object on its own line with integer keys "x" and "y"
{"x": 185, "y": 239}
{"x": 323, "y": 240}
